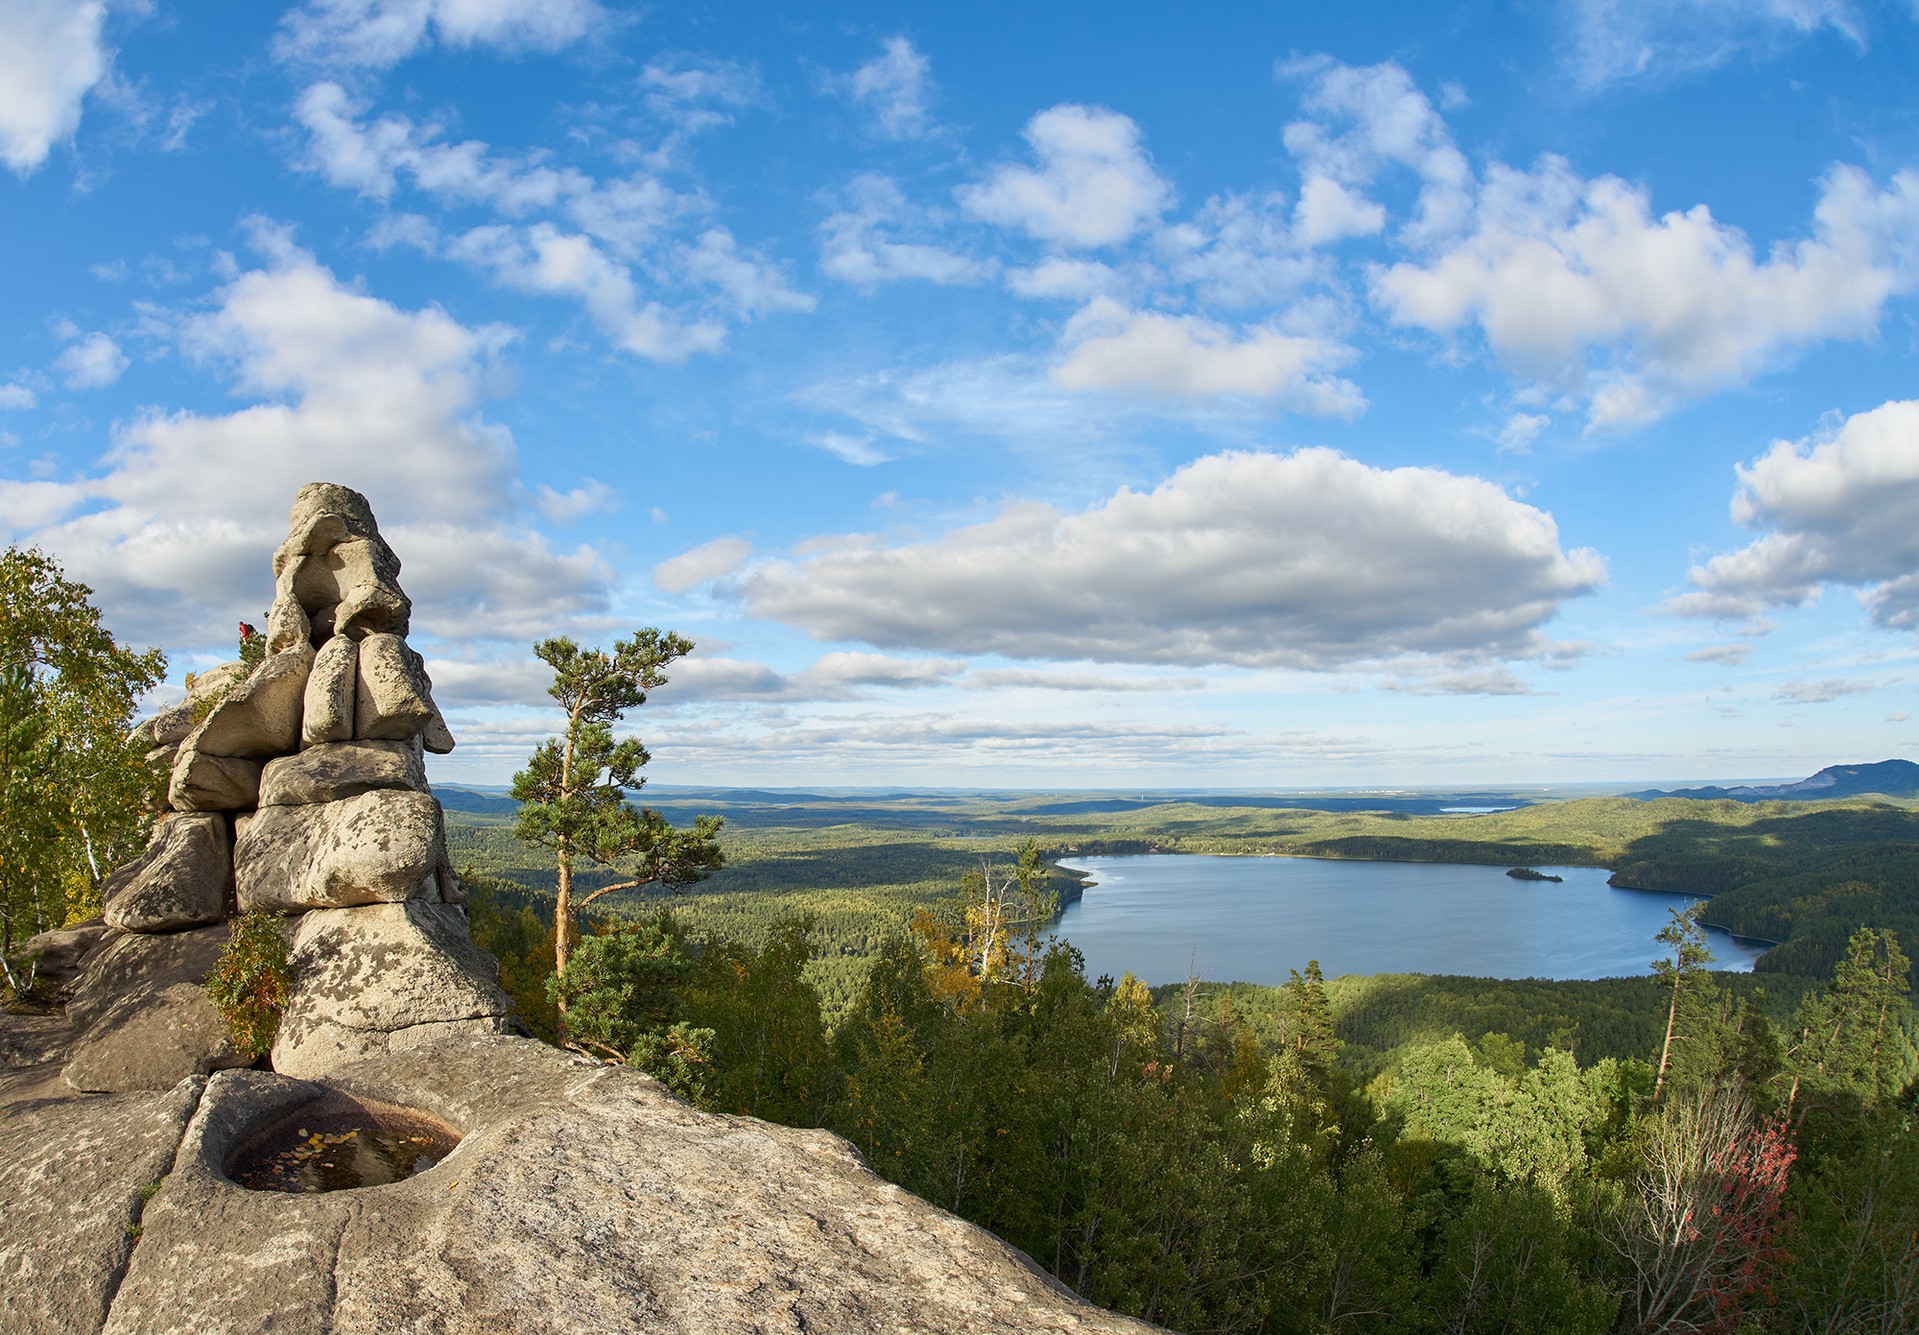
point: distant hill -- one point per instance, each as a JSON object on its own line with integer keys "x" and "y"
{"x": 457, "y": 798}
{"x": 1893, "y": 778}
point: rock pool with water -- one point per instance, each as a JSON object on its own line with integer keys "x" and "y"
{"x": 339, "y": 1146}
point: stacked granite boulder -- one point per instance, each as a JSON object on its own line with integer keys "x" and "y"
{"x": 298, "y": 786}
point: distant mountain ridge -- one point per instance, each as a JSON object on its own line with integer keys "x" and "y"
{"x": 1891, "y": 778}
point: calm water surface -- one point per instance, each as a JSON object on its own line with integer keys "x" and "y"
{"x": 1251, "y": 919}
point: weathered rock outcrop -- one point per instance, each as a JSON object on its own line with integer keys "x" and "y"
{"x": 582, "y": 1198}
{"x": 184, "y": 879}
{"x": 383, "y": 979}
{"x": 72, "y": 1173}
{"x": 377, "y": 848}
{"x": 332, "y": 771}
{"x": 299, "y": 784}
{"x": 139, "y": 1016}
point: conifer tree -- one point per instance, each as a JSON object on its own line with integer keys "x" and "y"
{"x": 1680, "y": 974}
{"x": 572, "y": 793}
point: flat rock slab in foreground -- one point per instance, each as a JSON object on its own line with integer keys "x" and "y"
{"x": 583, "y": 1198}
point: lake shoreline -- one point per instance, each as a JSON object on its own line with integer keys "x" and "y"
{"x": 1366, "y": 916}
{"x": 1086, "y": 882}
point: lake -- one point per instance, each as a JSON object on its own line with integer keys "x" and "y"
{"x": 1251, "y": 919}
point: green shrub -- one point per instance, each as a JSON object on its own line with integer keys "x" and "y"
{"x": 249, "y": 985}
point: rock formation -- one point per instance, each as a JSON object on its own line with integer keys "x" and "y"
{"x": 580, "y": 1197}
{"x": 299, "y": 786}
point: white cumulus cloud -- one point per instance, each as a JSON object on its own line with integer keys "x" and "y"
{"x": 174, "y": 524}
{"x": 1183, "y": 356}
{"x": 1575, "y": 284}
{"x": 91, "y": 361}
{"x": 52, "y": 54}
{"x": 1308, "y": 560}
{"x": 1093, "y": 185}
{"x": 1840, "y": 508}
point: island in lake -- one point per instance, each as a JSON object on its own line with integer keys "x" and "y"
{"x": 1528, "y": 874}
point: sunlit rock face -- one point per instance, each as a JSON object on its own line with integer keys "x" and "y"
{"x": 298, "y": 784}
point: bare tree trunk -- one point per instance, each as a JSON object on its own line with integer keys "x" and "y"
{"x": 1665, "y": 1051}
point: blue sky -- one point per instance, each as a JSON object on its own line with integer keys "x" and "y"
{"x": 1249, "y": 396}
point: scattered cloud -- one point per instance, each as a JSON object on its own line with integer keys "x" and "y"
{"x": 860, "y": 451}
{"x": 174, "y": 523}
{"x": 941, "y": 743}
{"x": 834, "y": 677}
{"x": 1837, "y": 508}
{"x": 1008, "y": 679}
{"x": 1726, "y": 655}
{"x": 1520, "y": 430}
{"x": 1122, "y": 351}
{"x": 894, "y": 86}
{"x": 16, "y": 396}
{"x": 564, "y": 507}
{"x": 467, "y": 682}
{"x": 692, "y": 95}
{"x": 1576, "y": 286}
{"x": 1093, "y": 186}
{"x": 702, "y": 564}
{"x": 544, "y": 259}
{"x": 860, "y": 243}
{"x": 1820, "y": 692}
{"x": 1614, "y": 41}
{"x": 52, "y": 54}
{"x": 1365, "y": 119}
{"x": 90, "y": 361}
{"x": 605, "y": 240}
{"x": 1057, "y": 277}
{"x": 1240, "y": 251}
{"x": 379, "y": 34}
{"x": 1328, "y": 211}
{"x": 1484, "y": 681}
{"x": 369, "y": 157}
{"x": 752, "y": 284}
{"x": 1307, "y": 560}
{"x": 864, "y": 669}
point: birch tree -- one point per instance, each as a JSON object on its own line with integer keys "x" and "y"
{"x": 72, "y": 792}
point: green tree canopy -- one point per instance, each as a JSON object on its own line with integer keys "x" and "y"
{"x": 572, "y": 794}
{"x": 72, "y": 791}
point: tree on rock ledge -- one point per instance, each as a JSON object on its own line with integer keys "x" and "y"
{"x": 572, "y": 794}
{"x": 72, "y": 792}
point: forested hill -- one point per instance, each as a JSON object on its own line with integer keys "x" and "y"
{"x": 1801, "y": 873}
{"x": 1889, "y": 778}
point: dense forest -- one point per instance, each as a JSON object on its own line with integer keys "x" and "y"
{"x": 1385, "y": 1154}
{"x": 1684, "y": 1151}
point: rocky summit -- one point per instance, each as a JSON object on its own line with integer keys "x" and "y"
{"x": 576, "y": 1196}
